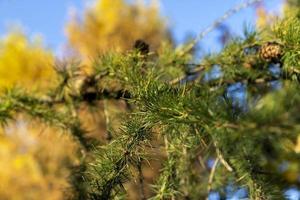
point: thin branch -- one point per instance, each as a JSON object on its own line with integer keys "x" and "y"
{"x": 107, "y": 120}
{"x": 219, "y": 21}
{"x": 195, "y": 71}
{"x": 141, "y": 180}
{"x": 211, "y": 176}
{"x": 220, "y": 156}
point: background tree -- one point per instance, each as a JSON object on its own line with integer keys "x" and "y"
{"x": 31, "y": 167}
{"x": 115, "y": 25}
{"x": 23, "y": 56}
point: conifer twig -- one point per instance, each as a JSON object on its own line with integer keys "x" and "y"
{"x": 107, "y": 120}
{"x": 195, "y": 71}
{"x": 141, "y": 180}
{"x": 220, "y": 156}
{"x": 212, "y": 174}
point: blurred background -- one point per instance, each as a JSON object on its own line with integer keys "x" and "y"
{"x": 185, "y": 19}
{"x": 35, "y": 34}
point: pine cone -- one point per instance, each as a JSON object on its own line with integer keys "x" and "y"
{"x": 271, "y": 51}
{"x": 141, "y": 46}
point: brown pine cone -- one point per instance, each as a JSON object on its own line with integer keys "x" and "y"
{"x": 271, "y": 51}
{"x": 141, "y": 46}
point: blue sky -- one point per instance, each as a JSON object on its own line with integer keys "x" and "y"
{"x": 48, "y": 17}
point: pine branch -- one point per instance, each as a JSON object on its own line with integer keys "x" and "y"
{"x": 107, "y": 174}
{"x": 15, "y": 101}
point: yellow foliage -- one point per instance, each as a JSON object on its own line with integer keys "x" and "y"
{"x": 264, "y": 18}
{"x": 297, "y": 147}
{"x": 262, "y": 15}
{"x": 115, "y": 25}
{"x": 23, "y": 62}
{"x": 31, "y": 167}
{"x": 290, "y": 8}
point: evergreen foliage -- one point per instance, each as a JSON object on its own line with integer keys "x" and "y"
{"x": 244, "y": 118}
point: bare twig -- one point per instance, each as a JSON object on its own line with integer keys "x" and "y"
{"x": 141, "y": 180}
{"x": 219, "y": 21}
{"x": 220, "y": 156}
{"x": 212, "y": 174}
{"x": 107, "y": 120}
{"x": 195, "y": 71}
